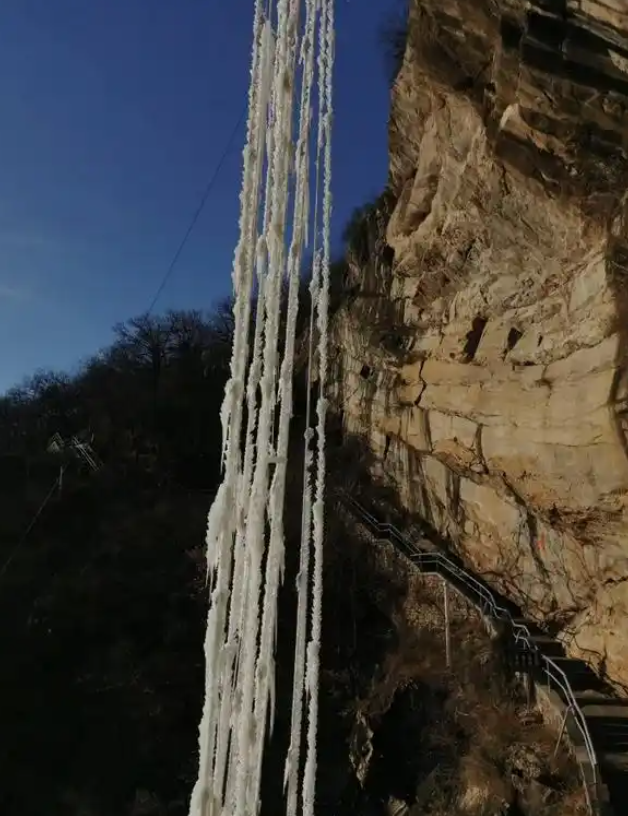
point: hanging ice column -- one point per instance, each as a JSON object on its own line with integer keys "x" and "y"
{"x": 245, "y": 537}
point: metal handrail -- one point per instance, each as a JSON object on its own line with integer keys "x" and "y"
{"x": 424, "y": 558}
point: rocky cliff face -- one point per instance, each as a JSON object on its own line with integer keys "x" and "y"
{"x": 483, "y": 345}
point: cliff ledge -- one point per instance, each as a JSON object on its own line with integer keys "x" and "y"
{"x": 484, "y": 341}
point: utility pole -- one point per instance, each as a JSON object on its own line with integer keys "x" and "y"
{"x": 79, "y": 448}
{"x": 56, "y": 445}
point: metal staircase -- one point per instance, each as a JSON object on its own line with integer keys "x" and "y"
{"x": 531, "y": 651}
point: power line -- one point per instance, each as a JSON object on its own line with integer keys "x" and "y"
{"x": 168, "y": 274}
{"x": 208, "y": 188}
{"x": 20, "y": 543}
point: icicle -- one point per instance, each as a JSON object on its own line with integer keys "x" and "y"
{"x": 283, "y": 97}
{"x": 264, "y": 675}
{"x": 221, "y": 520}
{"x": 313, "y": 657}
{"x": 242, "y": 618}
{"x": 243, "y": 260}
{"x": 237, "y": 612}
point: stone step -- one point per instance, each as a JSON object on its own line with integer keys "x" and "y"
{"x": 613, "y": 761}
{"x": 588, "y": 771}
{"x": 548, "y": 646}
{"x": 532, "y": 628}
{"x": 606, "y": 708}
{"x": 608, "y": 726}
{"x": 592, "y": 696}
{"x": 580, "y": 676}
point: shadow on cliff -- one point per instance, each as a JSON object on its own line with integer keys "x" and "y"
{"x": 445, "y": 740}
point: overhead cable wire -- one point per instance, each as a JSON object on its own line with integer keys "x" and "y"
{"x": 197, "y": 213}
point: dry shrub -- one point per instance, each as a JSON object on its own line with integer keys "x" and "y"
{"x": 508, "y": 753}
{"x": 482, "y": 789}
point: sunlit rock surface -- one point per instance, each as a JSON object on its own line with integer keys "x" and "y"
{"x": 482, "y": 349}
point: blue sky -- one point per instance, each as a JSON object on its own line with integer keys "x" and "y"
{"x": 115, "y": 113}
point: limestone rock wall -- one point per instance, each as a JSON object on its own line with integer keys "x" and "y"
{"x": 482, "y": 351}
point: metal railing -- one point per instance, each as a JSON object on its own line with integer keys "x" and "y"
{"x": 436, "y": 562}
